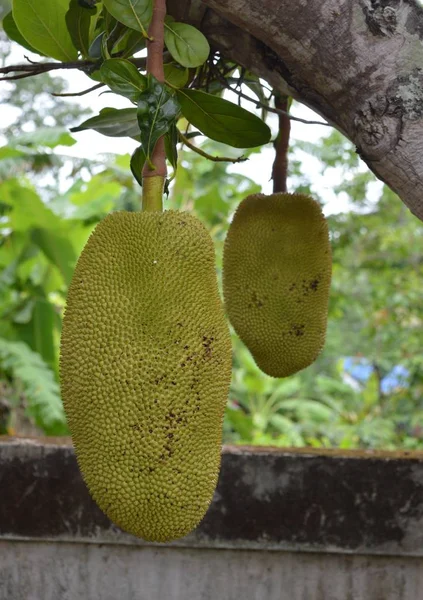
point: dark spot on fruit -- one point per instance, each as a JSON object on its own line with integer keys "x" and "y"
{"x": 297, "y": 330}
{"x": 314, "y": 284}
{"x": 258, "y": 302}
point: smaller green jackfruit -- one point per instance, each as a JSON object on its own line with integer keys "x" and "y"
{"x": 276, "y": 280}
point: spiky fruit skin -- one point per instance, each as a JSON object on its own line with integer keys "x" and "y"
{"x": 276, "y": 280}
{"x": 145, "y": 371}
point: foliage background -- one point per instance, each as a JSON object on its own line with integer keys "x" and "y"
{"x": 364, "y": 391}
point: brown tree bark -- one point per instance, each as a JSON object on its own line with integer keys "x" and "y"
{"x": 359, "y": 64}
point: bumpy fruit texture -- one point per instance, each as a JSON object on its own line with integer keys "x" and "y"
{"x": 276, "y": 280}
{"x": 145, "y": 370}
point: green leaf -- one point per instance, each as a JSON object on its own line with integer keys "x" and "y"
{"x": 94, "y": 51}
{"x": 57, "y": 249}
{"x": 27, "y": 210}
{"x": 171, "y": 141}
{"x": 137, "y": 163}
{"x": 24, "y": 313}
{"x": 123, "y": 78}
{"x": 38, "y": 333}
{"x": 14, "y": 34}
{"x": 223, "y": 121}
{"x": 281, "y": 423}
{"x": 105, "y": 48}
{"x": 157, "y": 110}
{"x": 96, "y": 198}
{"x": 43, "y": 25}
{"x": 44, "y": 137}
{"x": 135, "y": 14}
{"x": 78, "y": 22}
{"x": 241, "y": 423}
{"x": 113, "y": 122}
{"x": 175, "y": 75}
{"x": 38, "y": 382}
{"x": 187, "y": 45}
{"x": 130, "y": 43}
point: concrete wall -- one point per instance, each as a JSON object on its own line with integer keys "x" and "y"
{"x": 284, "y": 525}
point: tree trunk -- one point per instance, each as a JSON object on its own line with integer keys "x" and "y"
{"x": 358, "y": 63}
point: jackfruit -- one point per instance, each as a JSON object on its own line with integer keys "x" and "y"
{"x": 145, "y": 370}
{"x": 276, "y": 280}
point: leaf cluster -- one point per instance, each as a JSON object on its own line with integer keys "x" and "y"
{"x": 104, "y": 37}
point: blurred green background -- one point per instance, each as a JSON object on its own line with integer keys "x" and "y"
{"x": 366, "y": 388}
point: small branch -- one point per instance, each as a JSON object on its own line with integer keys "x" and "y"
{"x": 91, "y": 89}
{"x": 204, "y": 154}
{"x": 281, "y": 144}
{"x": 23, "y": 76}
{"x": 34, "y": 68}
{"x": 276, "y": 111}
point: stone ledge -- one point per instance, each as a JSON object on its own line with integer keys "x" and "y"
{"x": 267, "y": 499}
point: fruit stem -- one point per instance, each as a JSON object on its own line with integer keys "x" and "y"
{"x": 152, "y": 193}
{"x": 153, "y": 189}
{"x": 280, "y": 165}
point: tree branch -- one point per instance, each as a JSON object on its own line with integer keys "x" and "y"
{"x": 87, "y": 91}
{"x": 204, "y": 154}
{"x": 276, "y": 110}
{"x": 36, "y": 68}
{"x": 357, "y": 64}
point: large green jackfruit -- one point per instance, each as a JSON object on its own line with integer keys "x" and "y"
{"x": 276, "y": 280}
{"x": 145, "y": 370}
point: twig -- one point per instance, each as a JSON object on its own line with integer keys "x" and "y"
{"x": 91, "y": 89}
{"x": 35, "y": 68}
{"x": 46, "y": 66}
{"x": 277, "y": 111}
{"x": 33, "y": 62}
{"x": 23, "y": 76}
{"x": 204, "y": 154}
